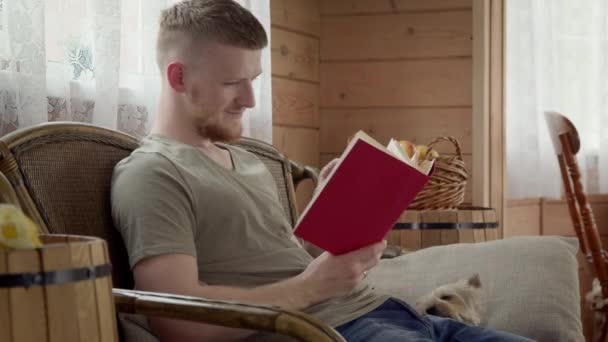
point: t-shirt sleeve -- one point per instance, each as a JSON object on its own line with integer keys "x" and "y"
{"x": 152, "y": 207}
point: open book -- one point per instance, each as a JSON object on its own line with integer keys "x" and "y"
{"x": 363, "y": 196}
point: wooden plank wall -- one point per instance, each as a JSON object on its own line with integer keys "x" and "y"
{"x": 551, "y": 217}
{"x": 395, "y": 68}
{"x": 295, "y": 39}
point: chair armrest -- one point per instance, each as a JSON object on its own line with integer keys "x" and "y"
{"x": 302, "y": 172}
{"x": 228, "y": 314}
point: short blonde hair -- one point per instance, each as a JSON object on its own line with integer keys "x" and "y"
{"x": 191, "y": 23}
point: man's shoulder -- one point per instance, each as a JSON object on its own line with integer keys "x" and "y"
{"x": 141, "y": 160}
{"x": 147, "y": 160}
{"x": 146, "y": 172}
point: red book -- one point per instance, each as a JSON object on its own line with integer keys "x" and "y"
{"x": 362, "y": 198}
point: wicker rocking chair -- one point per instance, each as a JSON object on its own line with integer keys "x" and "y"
{"x": 59, "y": 173}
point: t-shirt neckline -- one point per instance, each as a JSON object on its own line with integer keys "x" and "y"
{"x": 224, "y": 146}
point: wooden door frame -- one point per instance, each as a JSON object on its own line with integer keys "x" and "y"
{"x": 489, "y": 160}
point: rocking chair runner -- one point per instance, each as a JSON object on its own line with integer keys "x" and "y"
{"x": 566, "y": 143}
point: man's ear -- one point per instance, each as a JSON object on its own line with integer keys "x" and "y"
{"x": 175, "y": 76}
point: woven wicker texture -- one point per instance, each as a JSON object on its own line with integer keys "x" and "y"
{"x": 69, "y": 179}
{"x": 68, "y": 175}
{"x": 278, "y": 167}
{"x": 446, "y": 188}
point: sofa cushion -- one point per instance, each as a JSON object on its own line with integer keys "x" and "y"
{"x": 530, "y": 284}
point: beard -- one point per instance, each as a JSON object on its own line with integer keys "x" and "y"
{"x": 218, "y": 131}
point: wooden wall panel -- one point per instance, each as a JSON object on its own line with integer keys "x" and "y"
{"x": 539, "y": 216}
{"x": 299, "y": 144}
{"x": 396, "y": 69}
{"x": 419, "y": 125}
{"x": 403, "y": 83}
{"x": 404, "y": 35}
{"x": 523, "y": 217}
{"x": 343, "y": 7}
{"x": 295, "y": 83}
{"x": 296, "y": 15}
{"x": 556, "y": 218}
{"x": 433, "y": 5}
{"x": 295, "y": 103}
{"x": 294, "y": 55}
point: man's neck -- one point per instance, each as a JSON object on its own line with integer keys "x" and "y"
{"x": 186, "y": 135}
{"x": 170, "y": 126}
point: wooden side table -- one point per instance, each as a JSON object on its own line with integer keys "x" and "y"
{"x": 417, "y": 229}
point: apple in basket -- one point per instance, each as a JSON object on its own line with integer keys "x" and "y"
{"x": 421, "y": 152}
{"x": 409, "y": 148}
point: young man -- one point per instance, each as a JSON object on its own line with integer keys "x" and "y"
{"x": 202, "y": 218}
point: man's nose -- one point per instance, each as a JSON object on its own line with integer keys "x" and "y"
{"x": 247, "y": 96}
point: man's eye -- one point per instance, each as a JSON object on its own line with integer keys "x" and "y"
{"x": 231, "y": 83}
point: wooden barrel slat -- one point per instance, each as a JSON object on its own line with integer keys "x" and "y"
{"x": 479, "y": 234}
{"x": 5, "y": 317}
{"x": 52, "y": 239}
{"x": 103, "y": 288}
{"x": 465, "y": 235}
{"x": 490, "y": 216}
{"x": 432, "y": 237}
{"x": 75, "y": 304}
{"x": 393, "y": 238}
{"x": 411, "y": 239}
{"x": 27, "y": 305}
{"x": 61, "y": 304}
{"x": 448, "y": 236}
{"x": 86, "y": 303}
{"x": 417, "y": 229}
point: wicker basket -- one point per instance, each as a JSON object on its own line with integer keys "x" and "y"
{"x": 445, "y": 189}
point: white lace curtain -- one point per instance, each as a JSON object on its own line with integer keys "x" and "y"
{"x": 94, "y": 61}
{"x": 556, "y": 59}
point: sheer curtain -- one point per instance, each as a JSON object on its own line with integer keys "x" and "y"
{"x": 556, "y": 59}
{"x": 94, "y": 61}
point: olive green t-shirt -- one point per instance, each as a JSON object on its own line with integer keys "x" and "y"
{"x": 169, "y": 197}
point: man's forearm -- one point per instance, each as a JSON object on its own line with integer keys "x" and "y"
{"x": 288, "y": 294}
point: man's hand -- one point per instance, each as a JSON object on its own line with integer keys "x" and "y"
{"x": 327, "y": 170}
{"x": 331, "y": 276}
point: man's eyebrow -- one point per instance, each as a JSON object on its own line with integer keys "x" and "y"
{"x": 246, "y": 78}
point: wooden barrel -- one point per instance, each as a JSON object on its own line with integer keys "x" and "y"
{"x": 418, "y": 229}
{"x": 60, "y": 292}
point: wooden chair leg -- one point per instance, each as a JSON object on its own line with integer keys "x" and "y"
{"x": 603, "y": 327}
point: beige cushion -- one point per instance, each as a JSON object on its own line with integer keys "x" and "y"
{"x": 530, "y": 284}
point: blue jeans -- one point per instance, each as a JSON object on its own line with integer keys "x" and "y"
{"x": 396, "y": 321}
